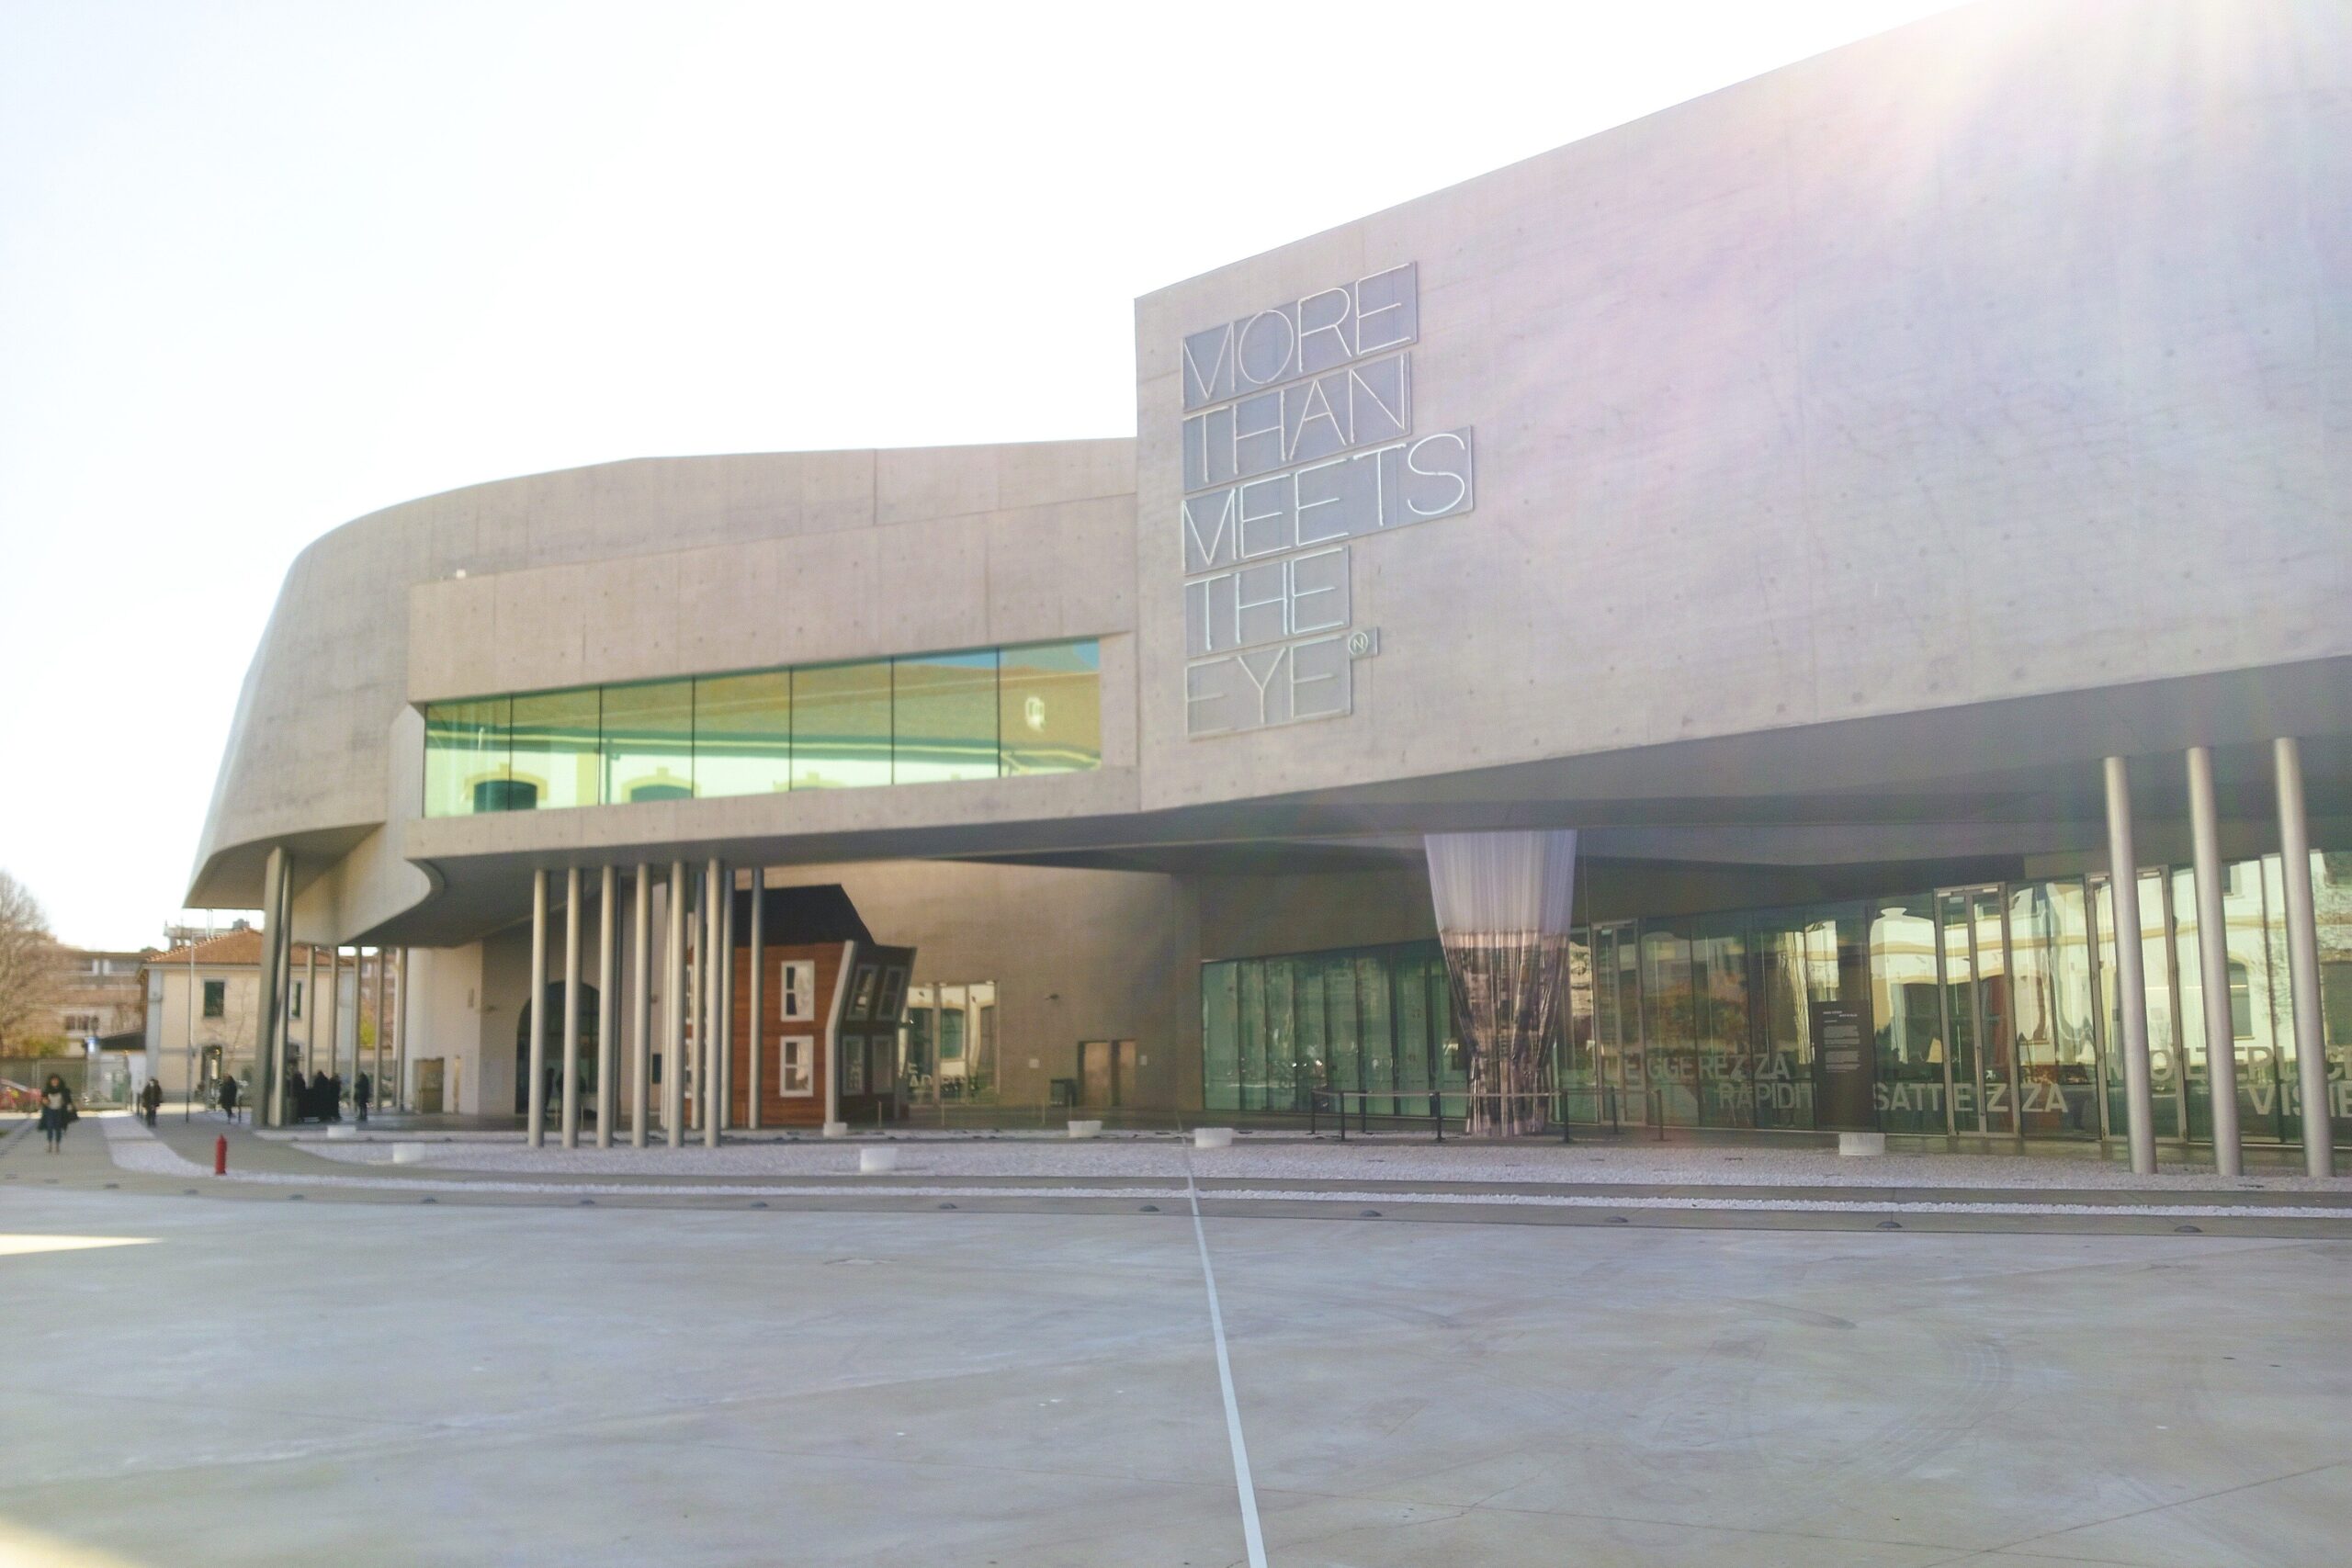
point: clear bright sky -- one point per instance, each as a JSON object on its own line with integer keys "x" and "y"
{"x": 266, "y": 268}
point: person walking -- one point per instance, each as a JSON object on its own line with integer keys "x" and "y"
{"x": 151, "y": 1098}
{"x": 362, "y": 1087}
{"x": 56, "y": 1111}
{"x": 229, "y": 1096}
{"x": 297, "y": 1097}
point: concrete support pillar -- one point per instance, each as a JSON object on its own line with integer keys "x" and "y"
{"x": 829, "y": 1045}
{"x": 2302, "y": 957}
{"x": 570, "y": 1110}
{"x": 400, "y": 1035}
{"x": 727, "y": 998}
{"x": 2213, "y": 960}
{"x": 640, "y": 1003}
{"x": 536, "y": 1058}
{"x": 268, "y": 1086}
{"x": 607, "y": 1004}
{"x": 673, "y": 1007}
{"x": 713, "y": 926}
{"x": 2131, "y": 1005}
{"x": 310, "y": 1004}
{"x": 758, "y": 997}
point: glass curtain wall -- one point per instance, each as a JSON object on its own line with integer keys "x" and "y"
{"x": 941, "y": 717}
{"x": 1369, "y": 1029}
{"x": 1994, "y": 1009}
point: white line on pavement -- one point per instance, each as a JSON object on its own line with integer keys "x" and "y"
{"x": 1250, "y": 1536}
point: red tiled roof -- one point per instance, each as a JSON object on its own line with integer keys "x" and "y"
{"x": 230, "y": 949}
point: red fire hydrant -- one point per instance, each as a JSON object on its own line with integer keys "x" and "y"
{"x": 220, "y": 1155}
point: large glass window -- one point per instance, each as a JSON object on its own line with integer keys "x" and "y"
{"x": 945, "y": 708}
{"x": 1050, "y": 714}
{"x": 2051, "y": 1005}
{"x": 1729, "y": 1089}
{"x": 982, "y": 714}
{"x": 465, "y": 757}
{"x": 1666, "y": 1020}
{"x": 840, "y": 726}
{"x": 744, "y": 733}
{"x": 1221, "y": 1036}
{"x": 649, "y": 742}
{"x": 1909, "y": 1016}
{"x": 555, "y": 749}
{"x": 1992, "y": 1008}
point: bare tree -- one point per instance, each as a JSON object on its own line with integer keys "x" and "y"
{"x": 26, "y": 949}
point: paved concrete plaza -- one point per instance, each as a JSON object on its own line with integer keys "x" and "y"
{"x": 262, "y": 1381}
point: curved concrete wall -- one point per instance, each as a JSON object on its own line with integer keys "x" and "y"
{"x": 636, "y": 567}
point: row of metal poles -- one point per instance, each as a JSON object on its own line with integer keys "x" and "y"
{"x": 697, "y": 1006}
{"x": 2214, "y": 960}
{"x": 325, "y": 1008}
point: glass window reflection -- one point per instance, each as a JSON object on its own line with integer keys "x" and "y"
{"x": 555, "y": 749}
{"x": 1050, "y": 699}
{"x": 744, "y": 733}
{"x": 649, "y": 742}
{"x": 944, "y": 722}
{"x": 465, "y": 757}
{"x": 840, "y": 726}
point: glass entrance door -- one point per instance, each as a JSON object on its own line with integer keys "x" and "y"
{"x": 1978, "y": 1009}
{"x": 1617, "y": 1021}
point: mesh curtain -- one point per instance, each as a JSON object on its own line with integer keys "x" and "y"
{"x": 1503, "y": 903}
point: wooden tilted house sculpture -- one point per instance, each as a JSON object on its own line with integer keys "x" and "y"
{"x": 830, "y": 1001}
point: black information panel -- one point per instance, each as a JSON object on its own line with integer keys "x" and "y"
{"x": 1844, "y": 1099}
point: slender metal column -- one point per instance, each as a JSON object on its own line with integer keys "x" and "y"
{"x": 714, "y": 928}
{"x": 536, "y": 1091}
{"x": 2214, "y": 960}
{"x": 571, "y": 1008}
{"x": 2124, "y": 878}
{"x": 673, "y": 1006}
{"x": 758, "y": 992}
{"x": 400, "y": 1033}
{"x": 270, "y": 1101}
{"x": 697, "y": 1012}
{"x": 333, "y": 1018}
{"x": 2302, "y": 957}
{"x": 727, "y": 1000}
{"x": 640, "y": 1003}
{"x": 310, "y": 1002}
{"x": 607, "y": 1004}
{"x": 383, "y": 964}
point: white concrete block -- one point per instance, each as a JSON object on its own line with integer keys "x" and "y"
{"x": 408, "y": 1153}
{"x": 1085, "y": 1129}
{"x": 837, "y": 1128}
{"x": 1211, "y": 1137}
{"x": 1862, "y": 1143}
{"x": 870, "y": 1161}
{"x": 342, "y": 1129}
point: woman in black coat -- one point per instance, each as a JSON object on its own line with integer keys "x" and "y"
{"x": 56, "y": 1111}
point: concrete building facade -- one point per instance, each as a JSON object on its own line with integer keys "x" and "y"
{"x": 1890, "y": 511}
